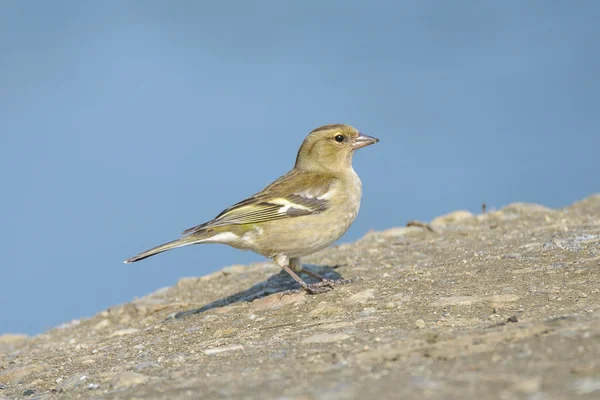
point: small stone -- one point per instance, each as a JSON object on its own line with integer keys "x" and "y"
{"x": 455, "y": 301}
{"x": 512, "y": 255}
{"x": 278, "y": 355}
{"x": 500, "y": 300}
{"x": 324, "y": 309}
{"x": 361, "y": 297}
{"x": 105, "y": 323}
{"x": 397, "y": 232}
{"x": 278, "y": 300}
{"x": 229, "y": 309}
{"x": 528, "y": 385}
{"x": 210, "y": 318}
{"x": 225, "y": 332}
{"x": 11, "y": 338}
{"x": 146, "y": 365}
{"x": 525, "y": 208}
{"x": 420, "y": 324}
{"x": 223, "y": 349}
{"x": 452, "y": 217}
{"x": 504, "y": 298}
{"x": 17, "y": 373}
{"x": 335, "y": 325}
{"x": 123, "y": 332}
{"x": 194, "y": 280}
{"x": 93, "y": 386}
{"x": 325, "y": 338}
{"x": 234, "y": 269}
{"x": 28, "y": 392}
{"x": 583, "y": 295}
{"x": 72, "y": 382}
{"x": 2, "y": 387}
{"x": 366, "y": 312}
{"x": 10, "y": 342}
{"x": 127, "y": 379}
{"x": 512, "y": 319}
{"x": 587, "y": 385}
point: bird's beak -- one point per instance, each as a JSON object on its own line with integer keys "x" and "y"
{"x": 363, "y": 140}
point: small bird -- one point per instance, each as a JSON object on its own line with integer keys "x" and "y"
{"x": 300, "y": 213}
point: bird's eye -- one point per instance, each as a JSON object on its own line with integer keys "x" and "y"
{"x": 340, "y": 138}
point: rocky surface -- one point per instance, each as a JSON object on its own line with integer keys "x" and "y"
{"x": 499, "y": 305}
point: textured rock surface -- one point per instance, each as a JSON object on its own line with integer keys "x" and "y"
{"x": 501, "y": 305}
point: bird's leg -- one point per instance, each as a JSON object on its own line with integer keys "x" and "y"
{"x": 296, "y": 265}
{"x": 284, "y": 262}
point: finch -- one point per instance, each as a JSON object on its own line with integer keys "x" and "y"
{"x": 300, "y": 213}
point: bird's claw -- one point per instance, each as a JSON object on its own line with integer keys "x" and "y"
{"x": 325, "y": 285}
{"x": 317, "y": 288}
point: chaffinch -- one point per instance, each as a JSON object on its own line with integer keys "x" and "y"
{"x": 300, "y": 213}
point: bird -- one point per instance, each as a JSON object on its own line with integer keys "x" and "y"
{"x": 304, "y": 211}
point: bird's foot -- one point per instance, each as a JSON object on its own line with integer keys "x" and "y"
{"x": 318, "y": 288}
{"x": 325, "y": 285}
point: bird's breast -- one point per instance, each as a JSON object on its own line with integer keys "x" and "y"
{"x": 303, "y": 235}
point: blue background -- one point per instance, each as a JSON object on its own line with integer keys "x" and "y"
{"x": 124, "y": 122}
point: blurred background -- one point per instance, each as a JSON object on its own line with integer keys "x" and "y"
{"x": 124, "y": 122}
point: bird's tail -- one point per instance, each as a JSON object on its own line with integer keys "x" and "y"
{"x": 185, "y": 241}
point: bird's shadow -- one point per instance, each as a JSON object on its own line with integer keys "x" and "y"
{"x": 280, "y": 282}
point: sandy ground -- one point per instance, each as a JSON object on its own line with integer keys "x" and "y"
{"x": 500, "y": 305}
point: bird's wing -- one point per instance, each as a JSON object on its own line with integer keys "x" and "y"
{"x": 292, "y": 195}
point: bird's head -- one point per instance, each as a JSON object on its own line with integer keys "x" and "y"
{"x": 330, "y": 148}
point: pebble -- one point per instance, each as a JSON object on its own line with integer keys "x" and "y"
{"x": 587, "y": 385}
{"x": 144, "y": 365}
{"x": 11, "y": 339}
{"x": 72, "y": 382}
{"x": 278, "y": 300}
{"x": 524, "y": 208}
{"x": 335, "y": 325}
{"x": 361, "y": 297}
{"x": 123, "y": 332}
{"x": 325, "y": 338}
{"x": 126, "y": 379}
{"x": 397, "y": 232}
{"x": 223, "y": 349}
{"x": 420, "y": 324}
{"x": 366, "y": 312}
{"x": 229, "y": 331}
{"x": 105, "y": 323}
{"x": 512, "y": 255}
{"x": 528, "y": 385}
{"x": 500, "y": 300}
{"x": 17, "y": 373}
{"x": 496, "y": 300}
{"x": 324, "y": 309}
{"x": 452, "y": 217}
{"x": 455, "y": 301}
